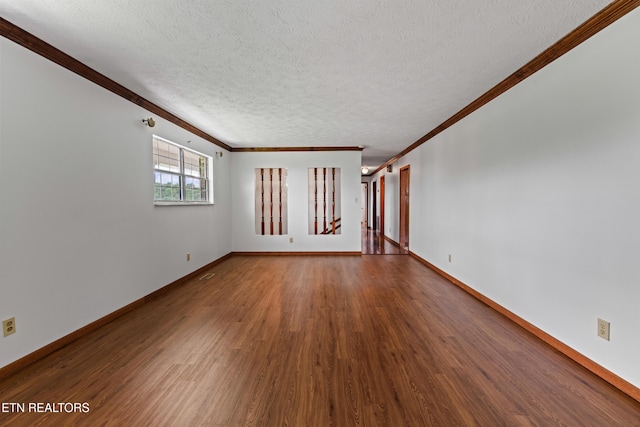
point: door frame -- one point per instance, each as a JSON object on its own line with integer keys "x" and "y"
{"x": 366, "y": 203}
{"x": 382, "y": 205}
{"x": 374, "y": 205}
{"x": 404, "y": 207}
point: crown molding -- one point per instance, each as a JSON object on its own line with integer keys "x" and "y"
{"x": 271, "y": 149}
{"x": 592, "y": 26}
{"x": 29, "y": 41}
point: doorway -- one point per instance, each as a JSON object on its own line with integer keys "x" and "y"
{"x": 404, "y": 208}
{"x": 373, "y": 240}
{"x": 381, "y": 227}
{"x": 364, "y": 200}
{"x": 374, "y": 205}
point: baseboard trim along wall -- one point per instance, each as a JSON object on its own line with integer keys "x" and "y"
{"x": 390, "y": 240}
{"x": 297, "y": 253}
{"x": 33, "y": 357}
{"x": 27, "y": 360}
{"x": 577, "y": 357}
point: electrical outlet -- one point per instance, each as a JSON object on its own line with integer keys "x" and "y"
{"x": 449, "y": 257}
{"x": 290, "y": 239}
{"x": 9, "y": 326}
{"x": 604, "y": 328}
{"x": 188, "y": 256}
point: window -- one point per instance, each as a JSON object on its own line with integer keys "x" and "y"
{"x": 181, "y": 176}
{"x": 324, "y": 201}
{"x": 271, "y": 201}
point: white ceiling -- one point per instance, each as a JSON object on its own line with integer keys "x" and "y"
{"x": 277, "y": 73}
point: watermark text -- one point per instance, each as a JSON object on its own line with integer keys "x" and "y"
{"x": 42, "y": 407}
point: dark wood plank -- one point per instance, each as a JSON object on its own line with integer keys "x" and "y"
{"x": 316, "y": 341}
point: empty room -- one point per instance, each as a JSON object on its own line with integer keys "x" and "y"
{"x": 417, "y": 213}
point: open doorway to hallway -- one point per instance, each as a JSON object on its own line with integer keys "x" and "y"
{"x": 364, "y": 198}
{"x": 373, "y": 243}
{"x": 404, "y": 208}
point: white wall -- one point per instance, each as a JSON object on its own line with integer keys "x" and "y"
{"x": 536, "y": 197}
{"x": 243, "y": 168}
{"x": 79, "y": 234}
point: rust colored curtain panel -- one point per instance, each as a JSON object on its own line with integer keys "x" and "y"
{"x": 315, "y": 198}
{"x": 262, "y": 199}
{"x": 324, "y": 201}
{"x": 333, "y": 200}
{"x": 279, "y": 200}
{"x": 271, "y": 200}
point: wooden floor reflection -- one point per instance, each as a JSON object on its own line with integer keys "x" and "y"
{"x": 373, "y": 243}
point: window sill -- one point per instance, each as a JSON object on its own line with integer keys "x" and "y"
{"x": 182, "y": 204}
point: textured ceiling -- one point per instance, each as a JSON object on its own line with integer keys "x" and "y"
{"x": 276, "y": 73}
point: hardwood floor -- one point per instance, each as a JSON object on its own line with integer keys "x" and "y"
{"x": 315, "y": 341}
{"x": 373, "y": 243}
